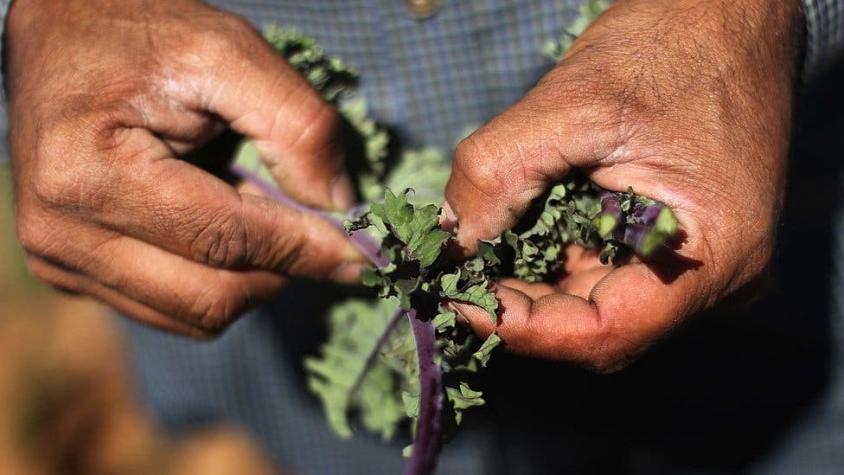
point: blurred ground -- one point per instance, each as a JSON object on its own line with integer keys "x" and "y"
{"x": 67, "y": 405}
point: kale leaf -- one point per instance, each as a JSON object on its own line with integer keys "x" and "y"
{"x": 402, "y": 355}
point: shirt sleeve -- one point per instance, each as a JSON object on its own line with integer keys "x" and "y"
{"x": 824, "y": 34}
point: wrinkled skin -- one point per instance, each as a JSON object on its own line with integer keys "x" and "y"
{"x": 105, "y": 97}
{"x": 687, "y": 101}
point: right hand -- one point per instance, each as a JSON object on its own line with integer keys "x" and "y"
{"x": 104, "y": 97}
{"x": 639, "y": 102}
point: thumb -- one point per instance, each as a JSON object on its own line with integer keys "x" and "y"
{"x": 294, "y": 129}
{"x": 511, "y": 160}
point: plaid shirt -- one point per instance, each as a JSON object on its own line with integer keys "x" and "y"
{"x": 431, "y": 79}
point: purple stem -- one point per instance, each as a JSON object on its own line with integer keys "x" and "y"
{"x": 362, "y": 241}
{"x": 610, "y": 205}
{"x": 634, "y": 235}
{"x": 428, "y": 430}
{"x": 645, "y": 214}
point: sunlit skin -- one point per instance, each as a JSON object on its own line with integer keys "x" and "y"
{"x": 104, "y": 99}
{"x": 688, "y": 102}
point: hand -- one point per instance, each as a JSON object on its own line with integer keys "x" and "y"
{"x": 688, "y": 102}
{"x": 104, "y": 99}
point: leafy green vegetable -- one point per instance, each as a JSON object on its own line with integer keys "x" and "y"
{"x": 485, "y": 351}
{"x": 345, "y": 377}
{"x": 403, "y": 355}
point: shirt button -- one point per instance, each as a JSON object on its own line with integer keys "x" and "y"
{"x": 422, "y": 9}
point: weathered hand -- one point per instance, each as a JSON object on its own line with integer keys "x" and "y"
{"x": 688, "y": 102}
{"x": 104, "y": 98}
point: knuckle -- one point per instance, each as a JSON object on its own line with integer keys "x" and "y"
{"x": 237, "y": 24}
{"x": 210, "y": 43}
{"x": 221, "y": 41}
{"x": 474, "y": 162}
{"x": 63, "y": 172}
{"x": 319, "y": 122}
{"x": 222, "y": 242}
{"x": 51, "y": 182}
{"x": 33, "y": 234}
{"x": 214, "y": 310}
{"x": 290, "y": 255}
{"x": 610, "y": 351}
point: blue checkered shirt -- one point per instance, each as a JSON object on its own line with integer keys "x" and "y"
{"x": 677, "y": 412}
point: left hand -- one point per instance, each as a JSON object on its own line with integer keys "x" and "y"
{"x": 688, "y": 102}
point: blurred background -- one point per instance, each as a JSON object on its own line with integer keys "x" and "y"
{"x": 68, "y": 403}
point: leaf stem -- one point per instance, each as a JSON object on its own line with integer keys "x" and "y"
{"x": 428, "y": 428}
{"x": 423, "y": 460}
{"x": 373, "y": 355}
{"x": 362, "y": 241}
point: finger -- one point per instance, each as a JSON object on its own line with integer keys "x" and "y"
{"x": 183, "y": 130}
{"x": 504, "y": 165}
{"x": 534, "y": 291}
{"x": 178, "y": 207}
{"x": 184, "y": 290}
{"x": 80, "y": 284}
{"x": 627, "y": 310}
{"x": 580, "y": 284}
{"x": 261, "y": 96}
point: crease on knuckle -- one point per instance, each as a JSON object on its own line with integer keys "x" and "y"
{"x": 610, "y": 350}
{"x": 319, "y": 122}
{"x": 70, "y": 169}
{"x": 473, "y": 161}
{"x": 214, "y": 308}
{"x": 33, "y": 233}
{"x": 290, "y": 252}
{"x": 221, "y": 41}
{"x": 40, "y": 236}
{"x": 221, "y": 241}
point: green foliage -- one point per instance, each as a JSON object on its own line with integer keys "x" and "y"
{"x": 326, "y": 74}
{"x": 565, "y": 217}
{"x": 423, "y": 170}
{"x": 347, "y": 378}
{"x": 368, "y": 367}
{"x": 589, "y": 11}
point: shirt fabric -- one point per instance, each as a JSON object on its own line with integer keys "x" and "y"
{"x": 724, "y": 395}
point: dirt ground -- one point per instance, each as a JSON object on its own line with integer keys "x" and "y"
{"x": 67, "y": 404}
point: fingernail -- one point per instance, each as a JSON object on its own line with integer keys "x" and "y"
{"x": 347, "y": 273}
{"x": 342, "y": 192}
